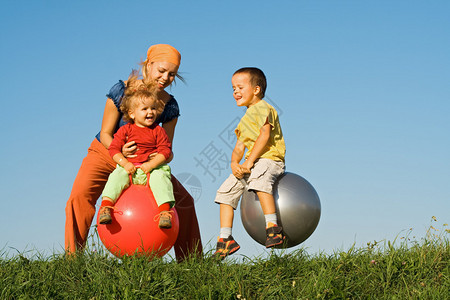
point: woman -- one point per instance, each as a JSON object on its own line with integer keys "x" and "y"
{"x": 160, "y": 68}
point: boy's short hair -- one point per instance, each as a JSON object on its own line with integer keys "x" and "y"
{"x": 257, "y": 78}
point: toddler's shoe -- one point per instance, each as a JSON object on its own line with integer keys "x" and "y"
{"x": 226, "y": 247}
{"x": 274, "y": 235}
{"x": 104, "y": 215}
{"x": 165, "y": 218}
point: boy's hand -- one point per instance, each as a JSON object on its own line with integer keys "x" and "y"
{"x": 146, "y": 167}
{"x": 130, "y": 168}
{"x": 237, "y": 171}
{"x": 246, "y": 167}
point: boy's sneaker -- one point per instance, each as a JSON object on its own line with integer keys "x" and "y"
{"x": 274, "y": 235}
{"x": 104, "y": 215}
{"x": 165, "y": 218}
{"x": 226, "y": 247}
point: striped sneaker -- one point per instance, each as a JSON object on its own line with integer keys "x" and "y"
{"x": 274, "y": 235}
{"x": 226, "y": 247}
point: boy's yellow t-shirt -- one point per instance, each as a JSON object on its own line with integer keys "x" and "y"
{"x": 250, "y": 125}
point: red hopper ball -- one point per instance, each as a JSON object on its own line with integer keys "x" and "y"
{"x": 134, "y": 228}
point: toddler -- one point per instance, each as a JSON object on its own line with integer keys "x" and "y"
{"x": 140, "y": 108}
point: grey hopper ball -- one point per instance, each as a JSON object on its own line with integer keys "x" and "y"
{"x": 298, "y": 210}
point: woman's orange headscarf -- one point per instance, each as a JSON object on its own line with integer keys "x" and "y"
{"x": 164, "y": 52}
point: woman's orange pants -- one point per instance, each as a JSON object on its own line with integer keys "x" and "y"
{"x": 87, "y": 188}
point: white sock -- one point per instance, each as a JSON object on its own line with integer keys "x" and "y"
{"x": 271, "y": 218}
{"x": 225, "y": 232}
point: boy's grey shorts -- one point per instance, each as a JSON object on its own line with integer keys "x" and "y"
{"x": 261, "y": 179}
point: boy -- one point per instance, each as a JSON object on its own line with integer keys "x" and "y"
{"x": 259, "y": 131}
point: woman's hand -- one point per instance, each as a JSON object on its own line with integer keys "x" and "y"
{"x": 153, "y": 155}
{"x": 170, "y": 158}
{"x": 129, "y": 149}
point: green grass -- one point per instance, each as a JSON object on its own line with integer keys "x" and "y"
{"x": 402, "y": 269}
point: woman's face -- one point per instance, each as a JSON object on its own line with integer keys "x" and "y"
{"x": 162, "y": 73}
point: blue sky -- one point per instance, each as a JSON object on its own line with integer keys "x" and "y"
{"x": 362, "y": 88}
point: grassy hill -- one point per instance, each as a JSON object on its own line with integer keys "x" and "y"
{"x": 402, "y": 269}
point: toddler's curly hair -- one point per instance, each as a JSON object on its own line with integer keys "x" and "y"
{"x": 136, "y": 90}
